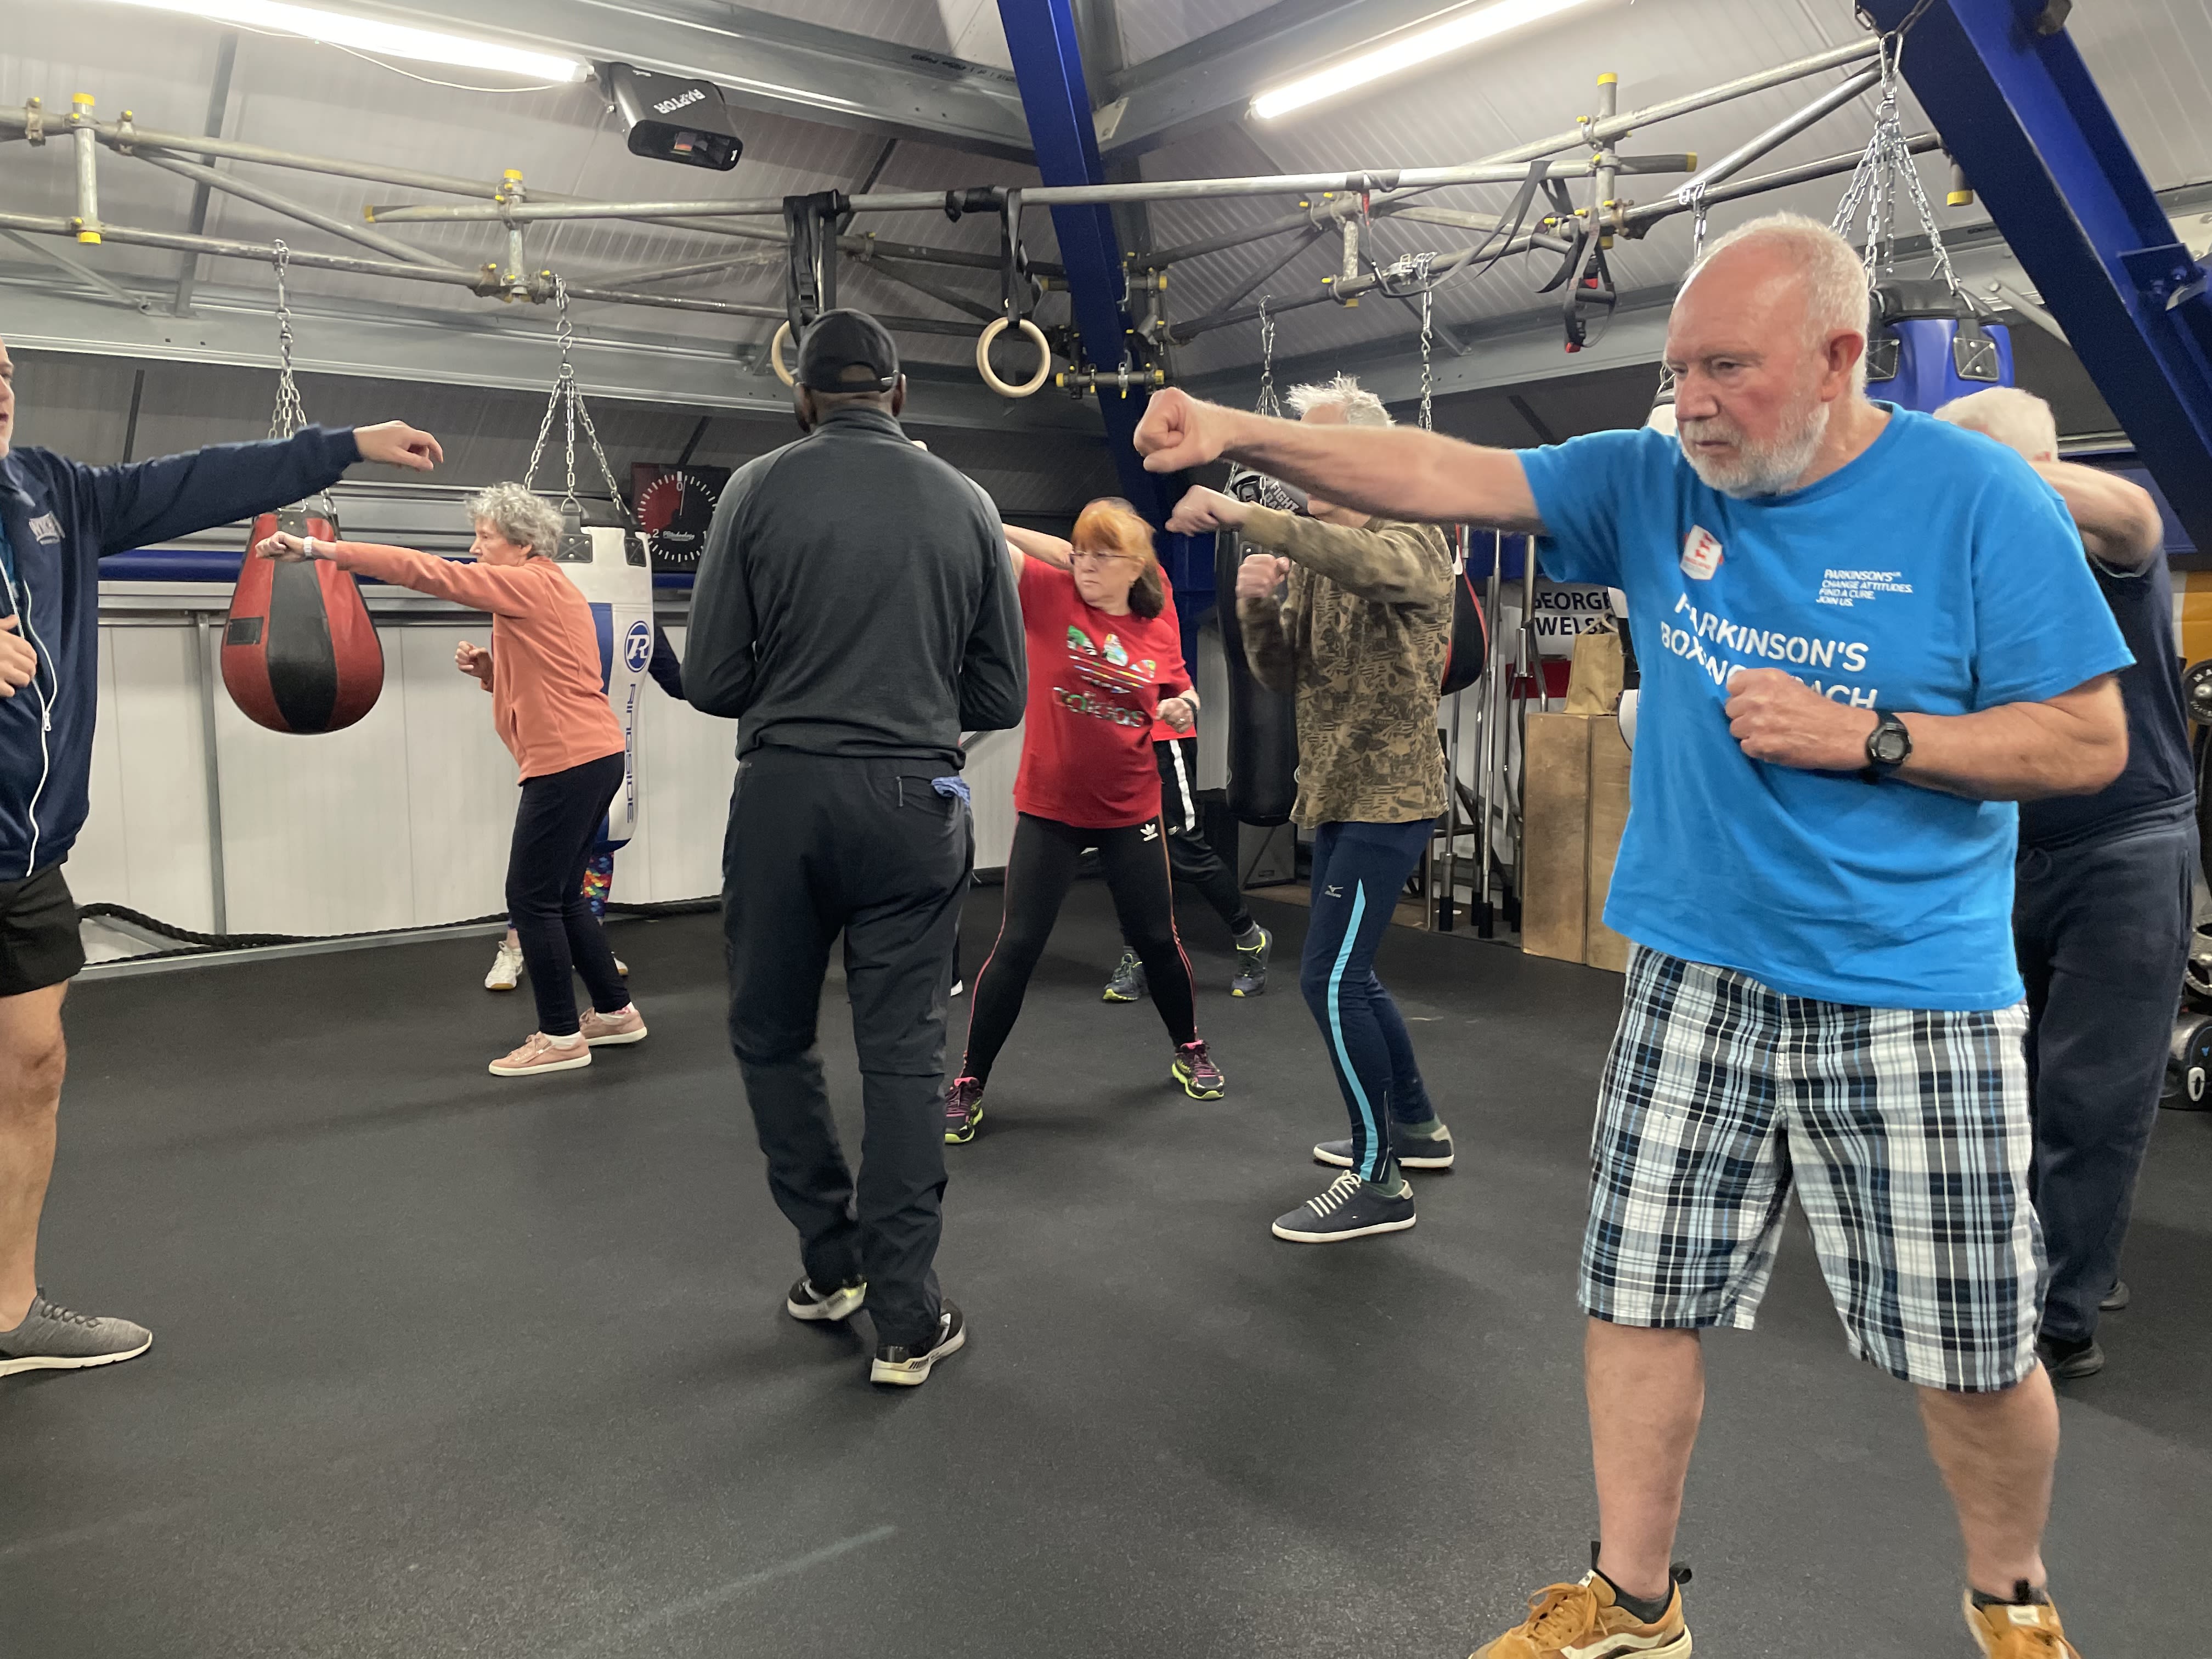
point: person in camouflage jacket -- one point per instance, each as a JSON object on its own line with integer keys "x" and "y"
{"x": 1353, "y": 616}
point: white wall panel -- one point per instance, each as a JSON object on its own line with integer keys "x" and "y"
{"x": 146, "y": 843}
{"x": 317, "y": 832}
{"x": 460, "y": 786}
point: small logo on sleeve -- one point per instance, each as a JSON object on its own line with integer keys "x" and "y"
{"x": 1701, "y": 553}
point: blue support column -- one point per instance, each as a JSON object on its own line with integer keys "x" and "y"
{"x": 1041, "y": 40}
{"x": 2019, "y": 111}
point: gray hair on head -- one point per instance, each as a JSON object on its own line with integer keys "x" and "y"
{"x": 1361, "y": 407}
{"x": 2018, "y": 420}
{"x": 519, "y": 515}
{"x": 1837, "y": 298}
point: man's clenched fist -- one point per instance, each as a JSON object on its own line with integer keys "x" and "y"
{"x": 1779, "y": 718}
{"x": 1178, "y": 431}
{"x": 1260, "y": 576}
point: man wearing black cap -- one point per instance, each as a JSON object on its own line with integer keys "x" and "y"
{"x": 855, "y": 612}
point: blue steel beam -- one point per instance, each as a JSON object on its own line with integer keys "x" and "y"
{"x": 2018, "y": 110}
{"x": 1041, "y": 40}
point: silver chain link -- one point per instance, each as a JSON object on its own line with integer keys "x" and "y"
{"x": 1873, "y": 188}
{"x": 1269, "y": 404}
{"x": 568, "y": 400}
{"x": 1421, "y": 262}
{"x": 291, "y": 414}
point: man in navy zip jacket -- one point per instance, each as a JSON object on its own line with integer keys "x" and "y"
{"x": 57, "y": 520}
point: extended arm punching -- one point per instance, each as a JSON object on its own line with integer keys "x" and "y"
{"x": 1400, "y": 472}
{"x": 2119, "y": 520}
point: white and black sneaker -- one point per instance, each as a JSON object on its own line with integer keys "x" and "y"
{"x": 806, "y": 1302}
{"x": 1412, "y": 1151}
{"x": 1349, "y": 1207}
{"x": 903, "y": 1367}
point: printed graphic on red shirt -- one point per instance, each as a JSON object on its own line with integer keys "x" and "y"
{"x": 1094, "y": 683}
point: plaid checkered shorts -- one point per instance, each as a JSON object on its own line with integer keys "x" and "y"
{"x": 1903, "y": 1132}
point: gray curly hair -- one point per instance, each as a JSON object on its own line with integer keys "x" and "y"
{"x": 518, "y": 514}
{"x": 1361, "y": 407}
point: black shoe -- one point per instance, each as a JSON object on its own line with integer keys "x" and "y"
{"x": 807, "y": 1302}
{"x": 1412, "y": 1151}
{"x": 963, "y": 1110}
{"x": 2068, "y": 1362}
{"x": 1346, "y": 1208}
{"x": 2115, "y": 1298}
{"x": 1128, "y": 984}
{"x": 1251, "y": 979}
{"x": 908, "y": 1368}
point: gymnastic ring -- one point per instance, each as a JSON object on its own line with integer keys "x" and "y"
{"x": 1005, "y": 389}
{"x": 775, "y": 353}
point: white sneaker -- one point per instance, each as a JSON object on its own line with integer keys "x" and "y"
{"x": 506, "y": 968}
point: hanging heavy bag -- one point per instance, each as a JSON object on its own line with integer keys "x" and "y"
{"x": 1263, "y": 725}
{"x": 299, "y": 651}
{"x": 1470, "y": 629}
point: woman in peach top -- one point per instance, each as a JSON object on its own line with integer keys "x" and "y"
{"x": 550, "y": 707}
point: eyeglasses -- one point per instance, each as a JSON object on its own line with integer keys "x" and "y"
{"x": 1085, "y": 555}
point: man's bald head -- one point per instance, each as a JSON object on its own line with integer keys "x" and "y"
{"x": 1767, "y": 335}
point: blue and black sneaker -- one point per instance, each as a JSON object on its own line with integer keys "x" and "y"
{"x": 1349, "y": 1208}
{"x": 1412, "y": 1149}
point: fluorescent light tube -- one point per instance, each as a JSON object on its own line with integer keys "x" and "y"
{"x": 1406, "y": 52}
{"x": 371, "y": 35}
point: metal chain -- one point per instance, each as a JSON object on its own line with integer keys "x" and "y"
{"x": 1421, "y": 263}
{"x": 1269, "y": 404}
{"x": 290, "y": 414}
{"x": 567, "y": 400}
{"x": 1874, "y": 187}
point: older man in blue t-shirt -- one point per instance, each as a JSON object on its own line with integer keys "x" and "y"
{"x": 1864, "y": 634}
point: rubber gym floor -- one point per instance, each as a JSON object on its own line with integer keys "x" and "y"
{"x": 447, "y": 1365}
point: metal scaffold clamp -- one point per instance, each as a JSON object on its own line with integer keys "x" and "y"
{"x": 1019, "y": 292}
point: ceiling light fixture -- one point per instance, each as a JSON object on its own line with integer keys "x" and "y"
{"x": 371, "y": 35}
{"x": 1421, "y": 47}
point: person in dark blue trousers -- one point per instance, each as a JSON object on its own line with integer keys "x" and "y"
{"x": 1358, "y": 636}
{"x": 2103, "y": 905}
{"x": 57, "y": 520}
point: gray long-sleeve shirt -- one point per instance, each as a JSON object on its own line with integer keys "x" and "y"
{"x": 856, "y": 598}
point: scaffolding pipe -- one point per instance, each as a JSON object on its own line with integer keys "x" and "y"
{"x": 211, "y": 179}
{"x": 1635, "y": 222}
{"x": 87, "y": 169}
{"x": 1779, "y": 134}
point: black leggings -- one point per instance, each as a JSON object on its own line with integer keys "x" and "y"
{"x": 555, "y": 828}
{"x": 1039, "y": 871}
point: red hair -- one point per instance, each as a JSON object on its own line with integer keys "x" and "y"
{"x": 1110, "y": 524}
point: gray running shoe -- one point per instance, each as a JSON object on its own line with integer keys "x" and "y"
{"x": 52, "y": 1338}
{"x": 1412, "y": 1151}
{"x": 1251, "y": 979}
{"x": 1127, "y": 984}
{"x": 1346, "y": 1208}
{"x": 2115, "y": 1298}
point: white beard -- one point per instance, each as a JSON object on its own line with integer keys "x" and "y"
{"x": 1755, "y": 470}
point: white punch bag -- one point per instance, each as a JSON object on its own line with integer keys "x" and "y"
{"x": 607, "y": 564}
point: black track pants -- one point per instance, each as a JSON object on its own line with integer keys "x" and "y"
{"x": 1039, "y": 871}
{"x": 556, "y": 824}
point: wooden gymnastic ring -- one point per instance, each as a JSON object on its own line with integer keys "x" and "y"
{"x": 1005, "y": 389}
{"x": 775, "y": 353}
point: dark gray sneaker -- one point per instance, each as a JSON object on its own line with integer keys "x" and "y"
{"x": 1127, "y": 984}
{"x": 900, "y": 1366}
{"x": 1251, "y": 979}
{"x": 1412, "y": 1151}
{"x": 2115, "y": 1298}
{"x": 806, "y": 1302}
{"x": 1347, "y": 1208}
{"x": 52, "y": 1338}
{"x": 2069, "y": 1361}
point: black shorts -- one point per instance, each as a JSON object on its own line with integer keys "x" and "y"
{"x": 39, "y": 945}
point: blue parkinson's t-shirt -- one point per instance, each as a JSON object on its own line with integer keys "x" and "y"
{"x": 1935, "y": 575}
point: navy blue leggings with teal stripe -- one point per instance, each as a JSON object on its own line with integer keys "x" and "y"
{"x": 1358, "y": 872}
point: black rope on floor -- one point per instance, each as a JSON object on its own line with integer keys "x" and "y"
{"x": 196, "y": 943}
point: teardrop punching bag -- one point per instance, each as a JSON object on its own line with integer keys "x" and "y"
{"x": 607, "y": 562}
{"x": 1263, "y": 725}
{"x": 299, "y": 651}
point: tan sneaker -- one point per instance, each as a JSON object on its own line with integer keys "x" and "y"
{"x": 1580, "y": 1621}
{"x": 538, "y": 1056}
{"x": 2011, "y": 1632}
{"x": 612, "y": 1031}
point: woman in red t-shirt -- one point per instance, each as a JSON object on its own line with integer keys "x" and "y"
{"x": 1102, "y": 644}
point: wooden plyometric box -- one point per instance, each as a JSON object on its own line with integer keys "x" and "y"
{"x": 1574, "y": 805}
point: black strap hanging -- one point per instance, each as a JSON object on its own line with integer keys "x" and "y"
{"x": 813, "y": 224}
